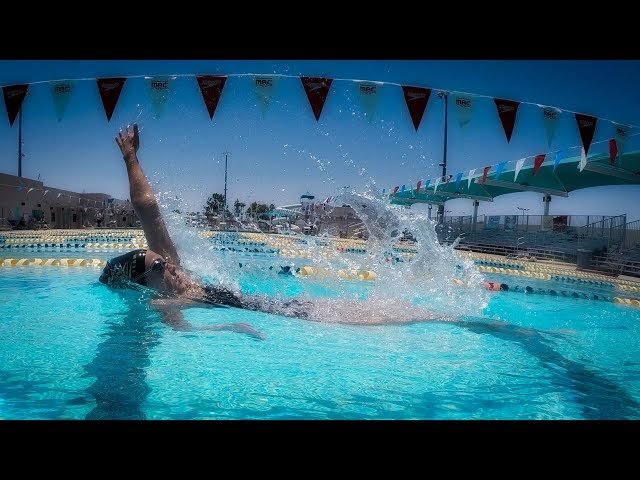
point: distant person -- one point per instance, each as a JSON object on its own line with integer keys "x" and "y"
{"x": 159, "y": 268}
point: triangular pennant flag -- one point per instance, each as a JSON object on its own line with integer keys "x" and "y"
{"x": 426, "y": 184}
{"x": 369, "y": 93}
{"x": 587, "y": 127}
{"x": 59, "y": 195}
{"x": 550, "y": 117}
{"x": 583, "y": 159}
{"x": 537, "y": 163}
{"x": 507, "y": 110}
{"x": 19, "y": 188}
{"x": 263, "y": 86}
{"x": 435, "y": 186}
{"x": 395, "y": 190}
{"x": 519, "y": 165}
{"x": 110, "y": 89}
{"x": 485, "y": 172}
{"x": 416, "y": 98}
{"x": 613, "y": 151}
{"x": 472, "y": 172}
{"x": 418, "y": 185}
{"x": 30, "y": 190}
{"x": 317, "y": 89}
{"x": 45, "y": 192}
{"x": 402, "y": 188}
{"x": 464, "y": 108}
{"x": 61, "y": 94}
{"x": 383, "y": 191}
{"x": 499, "y": 169}
{"x": 621, "y": 135}
{"x": 447, "y": 179}
{"x": 13, "y": 98}
{"x": 458, "y": 178}
{"x": 159, "y": 91}
{"x": 556, "y": 161}
{"x": 211, "y": 87}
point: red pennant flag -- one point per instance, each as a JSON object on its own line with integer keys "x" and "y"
{"x": 416, "y": 98}
{"x": 418, "y": 186}
{"x": 446, "y": 182}
{"x": 485, "y": 172}
{"x": 395, "y": 190}
{"x": 587, "y": 127}
{"x": 211, "y": 88}
{"x": 507, "y": 110}
{"x": 317, "y": 89}
{"x": 13, "y": 98}
{"x": 110, "y": 89}
{"x": 537, "y": 162}
{"x": 613, "y": 150}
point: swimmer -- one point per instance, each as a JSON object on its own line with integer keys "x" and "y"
{"x": 159, "y": 268}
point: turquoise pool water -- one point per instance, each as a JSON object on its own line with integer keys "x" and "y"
{"x": 70, "y": 348}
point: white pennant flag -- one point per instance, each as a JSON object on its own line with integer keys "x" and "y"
{"x": 621, "y": 135}
{"x": 369, "y": 93}
{"x": 45, "y": 192}
{"x": 61, "y": 93}
{"x": 263, "y": 86}
{"x": 550, "y": 117}
{"x": 159, "y": 90}
{"x": 583, "y": 160}
{"x": 519, "y": 165}
{"x": 435, "y": 185}
{"x": 470, "y": 179}
{"x": 59, "y": 195}
{"x": 30, "y": 190}
{"x": 464, "y": 108}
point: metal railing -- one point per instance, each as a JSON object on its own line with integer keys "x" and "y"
{"x": 632, "y": 235}
{"x": 610, "y": 231}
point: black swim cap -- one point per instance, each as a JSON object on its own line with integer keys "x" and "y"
{"x": 128, "y": 266}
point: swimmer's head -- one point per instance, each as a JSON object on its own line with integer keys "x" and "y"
{"x": 138, "y": 266}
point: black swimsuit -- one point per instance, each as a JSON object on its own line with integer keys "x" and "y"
{"x": 130, "y": 265}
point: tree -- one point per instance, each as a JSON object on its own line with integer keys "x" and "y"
{"x": 215, "y": 203}
{"x": 239, "y": 207}
{"x": 258, "y": 208}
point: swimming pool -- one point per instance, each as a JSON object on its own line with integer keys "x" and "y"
{"x": 70, "y": 348}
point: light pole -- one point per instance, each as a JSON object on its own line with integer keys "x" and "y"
{"x": 224, "y": 206}
{"x": 445, "y": 97}
{"x": 522, "y": 209}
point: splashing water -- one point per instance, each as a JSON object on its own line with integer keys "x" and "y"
{"x": 425, "y": 278}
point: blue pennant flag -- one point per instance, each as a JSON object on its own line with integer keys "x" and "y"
{"x": 402, "y": 189}
{"x": 499, "y": 169}
{"x": 458, "y": 178}
{"x": 559, "y": 156}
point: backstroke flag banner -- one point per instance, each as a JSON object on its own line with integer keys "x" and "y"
{"x": 464, "y": 108}
{"x": 470, "y": 179}
{"x": 110, "y": 89}
{"x": 263, "y": 86}
{"x": 416, "y": 99}
{"x": 507, "y": 110}
{"x": 369, "y": 93}
{"x": 159, "y": 91}
{"x": 587, "y": 127}
{"x": 519, "y": 165}
{"x": 13, "y": 98}
{"x": 317, "y": 89}
{"x": 621, "y": 134}
{"x": 61, "y": 94}
{"x": 211, "y": 87}
{"x": 550, "y": 117}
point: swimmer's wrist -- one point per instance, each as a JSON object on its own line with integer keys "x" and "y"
{"x": 130, "y": 157}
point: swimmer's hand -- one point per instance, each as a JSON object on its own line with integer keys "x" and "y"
{"x": 240, "y": 327}
{"x": 129, "y": 142}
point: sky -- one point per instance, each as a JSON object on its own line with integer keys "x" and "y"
{"x": 280, "y": 154}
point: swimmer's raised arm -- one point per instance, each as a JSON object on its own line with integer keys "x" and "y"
{"x": 142, "y": 198}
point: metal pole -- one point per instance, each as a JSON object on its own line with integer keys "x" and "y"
{"x": 224, "y": 208}
{"x": 20, "y": 143}
{"x": 445, "y": 96}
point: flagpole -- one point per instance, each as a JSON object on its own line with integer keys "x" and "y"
{"x": 444, "y": 96}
